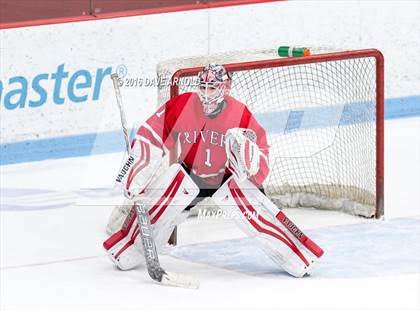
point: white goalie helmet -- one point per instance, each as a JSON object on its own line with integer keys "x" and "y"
{"x": 214, "y": 86}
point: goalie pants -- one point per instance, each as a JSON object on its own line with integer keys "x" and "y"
{"x": 206, "y": 190}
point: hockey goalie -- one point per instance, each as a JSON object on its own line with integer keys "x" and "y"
{"x": 222, "y": 153}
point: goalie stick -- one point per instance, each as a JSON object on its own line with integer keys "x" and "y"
{"x": 118, "y": 96}
{"x": 154, "y": 269}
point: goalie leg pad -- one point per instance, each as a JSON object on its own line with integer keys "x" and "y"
{"x": 120, "y": 247}
{"x": 261, "y": 220}
{"x": 118, "y": 216}
{"x": 167, "y": 197}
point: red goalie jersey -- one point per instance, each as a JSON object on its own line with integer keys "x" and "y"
{"x": 198, "y": 140}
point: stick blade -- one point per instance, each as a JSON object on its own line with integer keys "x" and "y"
{"x": 180, "y": 280}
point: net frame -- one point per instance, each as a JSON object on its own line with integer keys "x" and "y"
{"x": 319, "y": 58}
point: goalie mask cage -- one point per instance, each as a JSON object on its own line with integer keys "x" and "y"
{"x": 324, "y": 118}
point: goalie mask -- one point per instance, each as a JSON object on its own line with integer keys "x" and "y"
{"x": 214, "y": 86}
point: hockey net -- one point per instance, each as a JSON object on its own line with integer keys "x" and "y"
{"x": 323, "y": 115}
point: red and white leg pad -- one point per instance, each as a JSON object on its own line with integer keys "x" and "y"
{"x": 272, "y": 230}
{"x": 167, "y": 197}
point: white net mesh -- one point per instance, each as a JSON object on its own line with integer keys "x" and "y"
{"x": 320, "y": 123}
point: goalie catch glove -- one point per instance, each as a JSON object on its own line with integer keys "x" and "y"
{"x": 139, "y": 167}
{"x": 242, "y": 152}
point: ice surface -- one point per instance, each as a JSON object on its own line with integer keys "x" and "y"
{"x": 371, "y": 249}
{"x": 52, "y": 222}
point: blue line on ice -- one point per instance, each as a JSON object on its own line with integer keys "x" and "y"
{"x": 33, "y": 199}
{"x": 113, "y": 141}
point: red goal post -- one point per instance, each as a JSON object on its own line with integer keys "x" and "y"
{"x": 327, "y": 110}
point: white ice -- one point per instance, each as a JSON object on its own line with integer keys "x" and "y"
{"x": 53, "y": 216}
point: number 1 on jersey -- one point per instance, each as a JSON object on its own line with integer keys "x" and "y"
{"x": 207, "y": 162}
